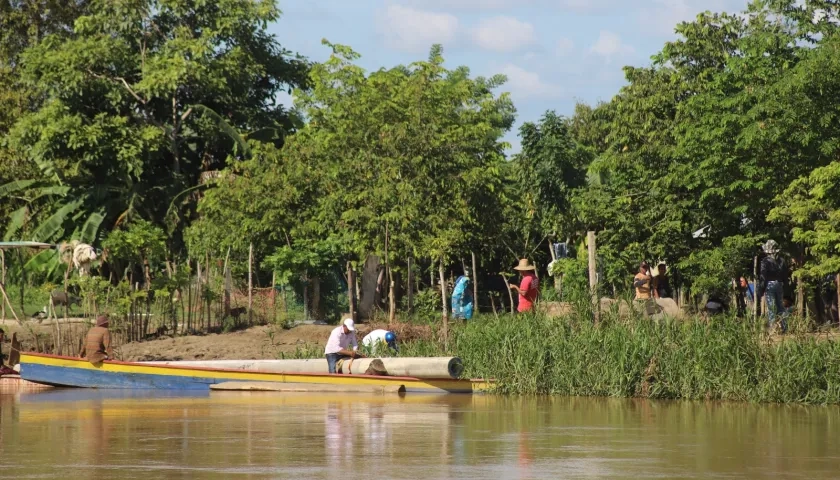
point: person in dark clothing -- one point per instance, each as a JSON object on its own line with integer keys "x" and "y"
{"x": 773, "y": 273}
{"x": 661, "y": 282}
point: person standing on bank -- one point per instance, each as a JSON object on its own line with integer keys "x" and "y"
{"x": 661, "y": 282}
{"x": 462, "y": 301}
{"x": 642, "y": 282}
{"x": 341, "y": 338}
{"x": 97, "y": 345}
{"x": 772, "y": 275}
{"x": 528, "y": 287}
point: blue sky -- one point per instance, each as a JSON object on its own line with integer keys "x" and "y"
{"x": 554, "y": 52}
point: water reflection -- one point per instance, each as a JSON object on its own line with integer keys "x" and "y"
{"x": 91, "y": 434}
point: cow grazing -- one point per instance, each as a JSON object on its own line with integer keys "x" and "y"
{"x": 60, "y": 298}
{"x": 237, "y": 312}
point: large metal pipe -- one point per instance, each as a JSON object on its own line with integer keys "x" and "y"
{"x": 436, "y": 367}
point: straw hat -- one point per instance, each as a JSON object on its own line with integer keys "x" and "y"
{"x": 102, "y": 321}
{"x": 770, "y": 247}
{"x": 524, "y": 265}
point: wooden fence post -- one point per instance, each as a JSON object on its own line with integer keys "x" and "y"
{"x": 475, "y": 281}
{"x": 250, "y": 282}
{"x": 410, "y": 285}
{"x": 510, "y": 293}
{"x": 445, "y": 310}
{"x": 837, "y": 285}
{"x": 3, "y": 282}
{"x": 593, "y": 275}
{"x": 756, "y": 296}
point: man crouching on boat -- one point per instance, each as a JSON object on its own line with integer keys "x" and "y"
{"x": 98, "y": 342}
{"x": 340, "y": 339}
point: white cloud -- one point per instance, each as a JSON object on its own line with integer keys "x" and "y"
{"x": 471, "y": 4}
{"x": 415, "y": 30}
{"x": 485, "y": 5}
{"x": 503, "y": 34}
{"x": 664, "y": 16}
{"x": 523, "y": 83}
{"x": 564, "y": 47}
{"x": 609, "y": 44}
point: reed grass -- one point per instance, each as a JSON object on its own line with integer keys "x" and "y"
{"x": 722, "y": 359}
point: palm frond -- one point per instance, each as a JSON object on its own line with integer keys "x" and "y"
{"x": 16, "y": 221}
{"x": 45, "y": 261}
{"x": 225, "y": 127}
{"x": 91, "y": 227}
{"x": 53, "y": 225}
{"x": 50, "y": 191}
{"x": 15, "y": 186}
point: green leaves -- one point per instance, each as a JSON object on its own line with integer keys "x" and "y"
{"x": 136, "y": 104}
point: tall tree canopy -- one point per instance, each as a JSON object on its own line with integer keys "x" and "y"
{"x": 405, "y": 154}
{"x": 701, "y": 142}
{"x": 136, "y": 105}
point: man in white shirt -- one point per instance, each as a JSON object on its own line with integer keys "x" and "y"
{"x": 341, "y": 338}
{"x": 380, "y": 338}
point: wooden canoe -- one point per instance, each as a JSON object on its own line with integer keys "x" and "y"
{"x": 74, "y": 372}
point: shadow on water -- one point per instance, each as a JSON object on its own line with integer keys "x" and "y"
{"x": 84, "y": 394}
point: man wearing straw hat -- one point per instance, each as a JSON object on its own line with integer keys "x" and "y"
{"x": 772, "y": 276}
{"x": 98, "y": 342}
{"x": 528, "y": 286}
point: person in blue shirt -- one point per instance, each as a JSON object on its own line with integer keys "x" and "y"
{"x": 745, "y": 294}
{"x": 462, "y": 297}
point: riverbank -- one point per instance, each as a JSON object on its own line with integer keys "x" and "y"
{"x": 721, "y": 359}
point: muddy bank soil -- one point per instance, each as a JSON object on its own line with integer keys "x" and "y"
{"x": 255, "y": 343}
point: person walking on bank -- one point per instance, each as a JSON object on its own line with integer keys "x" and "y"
{"x": 528, "y": 287}
{"x": 97, "y": 345}
{"x": 772, "y": 275}
{"x": 339, "y": 342}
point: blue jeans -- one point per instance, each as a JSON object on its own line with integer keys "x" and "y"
{"x": 332, "y": 359}
{"x": 775, "y": 291}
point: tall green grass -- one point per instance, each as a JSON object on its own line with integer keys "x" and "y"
{"x": 722, "y": 359}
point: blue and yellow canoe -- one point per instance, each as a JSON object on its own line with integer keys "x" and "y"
{"x": 75, "y": 372}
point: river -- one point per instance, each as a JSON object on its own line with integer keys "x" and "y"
{"x": 69, "y": 434}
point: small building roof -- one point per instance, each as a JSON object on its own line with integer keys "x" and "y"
{"x": 10, "y": 245}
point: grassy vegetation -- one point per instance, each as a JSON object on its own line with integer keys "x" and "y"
{"x": 722, "y": 359}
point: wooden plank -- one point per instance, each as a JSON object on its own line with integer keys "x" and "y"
{"x": 304, "y": 387}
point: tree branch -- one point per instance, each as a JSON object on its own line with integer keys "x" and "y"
{"x": 124, "y": 82}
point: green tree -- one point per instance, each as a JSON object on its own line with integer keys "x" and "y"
{"x": 703, "y": 140}
{"x": 403, "y": 155}
{"x": 130, "y": 108}
{"x": 551, "y": 165}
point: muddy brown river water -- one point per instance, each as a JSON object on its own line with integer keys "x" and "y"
{"x": 89, "y": 434}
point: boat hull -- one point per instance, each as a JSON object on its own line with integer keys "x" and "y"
{"x": 74, "y": 372}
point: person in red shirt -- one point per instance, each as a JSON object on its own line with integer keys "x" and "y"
{"x": 528, "y": 287}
